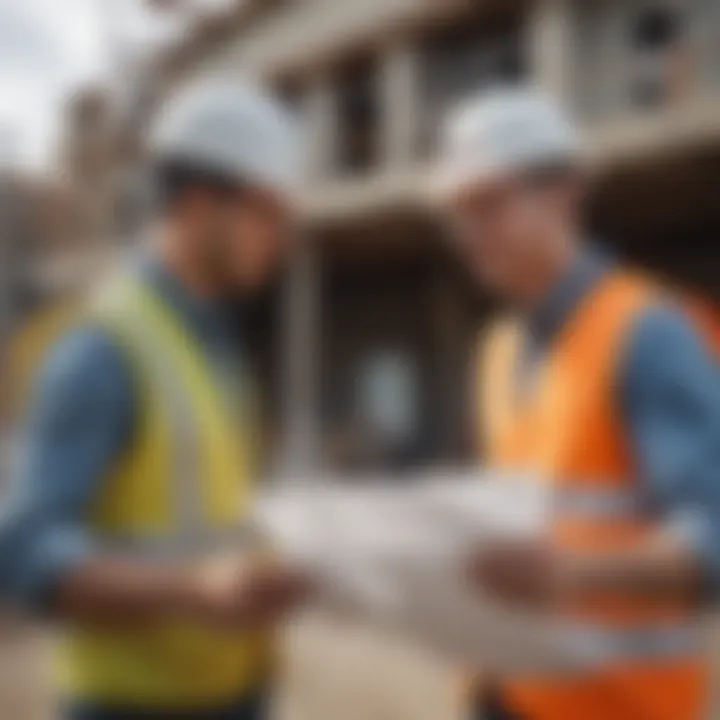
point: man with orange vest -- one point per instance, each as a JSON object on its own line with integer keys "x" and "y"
{"x": 600, "y": 385}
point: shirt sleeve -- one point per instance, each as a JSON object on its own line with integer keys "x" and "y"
{"x": 670, "y": 391}
{"x": 80, "y": 419}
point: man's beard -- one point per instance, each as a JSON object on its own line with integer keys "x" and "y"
{"x": 218, "y": 264}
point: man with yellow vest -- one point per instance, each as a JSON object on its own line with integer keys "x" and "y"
{"x": 126, "y": 522}
{"x": 599, "y": 385}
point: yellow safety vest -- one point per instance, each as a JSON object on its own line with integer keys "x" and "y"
{"x": 181, "y": 490}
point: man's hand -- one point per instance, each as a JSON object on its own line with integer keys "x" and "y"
{"x": 245, "y": 593}
{"x": 235, "y": 592}
{"x": 523, "y": 572}
{"x": 659, "y": 568}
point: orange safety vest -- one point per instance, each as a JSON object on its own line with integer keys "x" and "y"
{"x": 567, "y": 431}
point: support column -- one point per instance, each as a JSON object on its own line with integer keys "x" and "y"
{"x": 300, "y": 343}
{"x": 451, "y": 332}
{"x": 400, "y": 90}
{"x": 552, "y": 47}
{"x": 320, "y": 128}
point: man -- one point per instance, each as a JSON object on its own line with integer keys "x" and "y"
{"x": 127, "y": 521}
{"x": 599, "y": 384}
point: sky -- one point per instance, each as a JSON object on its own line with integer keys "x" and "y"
{"x": 48, "y": 48}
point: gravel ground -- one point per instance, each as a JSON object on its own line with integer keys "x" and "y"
{"x": 333, "y": 672}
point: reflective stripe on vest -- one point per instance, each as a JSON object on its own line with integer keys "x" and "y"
{"x": 187, "y": 497}
{"x": 193, "y": 535}
{"x": 599, "y": 502}
{"x": 594, "y": 645}
{"x": 591, "y": 498}
{"x": 181, "y": 545}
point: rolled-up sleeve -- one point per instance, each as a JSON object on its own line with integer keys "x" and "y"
{"x": 670, "y": 390}
{"x": 79, "y": 422}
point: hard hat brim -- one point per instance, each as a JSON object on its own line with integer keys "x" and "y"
{"x": 451, "y": 182}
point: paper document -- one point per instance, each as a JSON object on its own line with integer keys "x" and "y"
{"x": 395, "y": 555}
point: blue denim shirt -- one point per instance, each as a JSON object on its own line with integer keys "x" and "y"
{"x": 669, "y": 393}
{"x": 81, "y": 419}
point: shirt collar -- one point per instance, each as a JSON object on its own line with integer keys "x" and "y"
{"x": 547, "y": 318}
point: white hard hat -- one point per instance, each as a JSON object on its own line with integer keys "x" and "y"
{"x": 234, "y": 129}
{"x": 501, "y": 132}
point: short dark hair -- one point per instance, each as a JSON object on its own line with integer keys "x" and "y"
{"x": 174, "y": 177}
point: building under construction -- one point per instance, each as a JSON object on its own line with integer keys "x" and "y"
{"x": 363, "y": 351}
{"x": 367, "y": 350}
